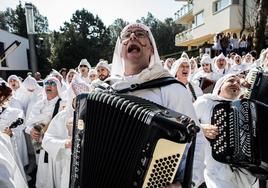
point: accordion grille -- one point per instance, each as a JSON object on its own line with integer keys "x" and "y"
{"x": 112, "y": 125}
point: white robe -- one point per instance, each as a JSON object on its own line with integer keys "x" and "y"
{"x": 42, "y": 113}
{"x": 7, "y": 117}
{"x": 216, "y": 174}
{"x": 54, "y": 143}
{"x": 173, "y": 96}
{"x": 10, "y": 174}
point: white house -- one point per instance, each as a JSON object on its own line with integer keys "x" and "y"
{"x": 16, "y": 62}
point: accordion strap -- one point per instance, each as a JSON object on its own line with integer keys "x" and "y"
{"x": 159, "y": 82}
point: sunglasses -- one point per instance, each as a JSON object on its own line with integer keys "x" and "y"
{"x": 50, "y": 83}
{"x": 82, "y": 66}
{"x": 138, "y": 33}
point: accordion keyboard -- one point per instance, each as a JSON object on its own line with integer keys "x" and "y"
{"x": 251, "y": 78}
{"x": 233, "y": 144}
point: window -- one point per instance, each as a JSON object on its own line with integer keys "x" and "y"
{"x": 220, "y": 4}
{"x": 199, "y": 19}
{"x": 2, "y": 48}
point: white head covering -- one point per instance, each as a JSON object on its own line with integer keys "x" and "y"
{"x": 118, "y": 62}
{"x": 219, "y": 83}
{"x": 85, "y": 62}
{"x": 92, "y": 71}
{"x": 185, "y": 55}
{"x": 262, "y": 56}
{"x": 31, "y": 83}
{"x": 56, "y": 80}
{"x": 55, "y": 73}
{"x": 14, "y": 77}
{"x": 205, "y": 59}
{"x": 103, "y": 64}
{"x": 177, "y": 64}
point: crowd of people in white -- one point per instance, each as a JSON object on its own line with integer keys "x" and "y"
{"x": 38, "y": 152}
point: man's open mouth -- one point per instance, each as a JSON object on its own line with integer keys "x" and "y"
{"x": 133, "y": 47}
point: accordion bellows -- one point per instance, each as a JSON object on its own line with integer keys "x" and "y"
{"x": 125, "y": 141}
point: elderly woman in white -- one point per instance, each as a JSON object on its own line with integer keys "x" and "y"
{"x": 216, "y": 174}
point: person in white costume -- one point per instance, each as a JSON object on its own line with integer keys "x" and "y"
{"x": 57, "y": 140}
{"x": 10, "y": 173}
{"x": 35, "y": 93}
{"x": 136, "y": 60}
{"x": 205, "y": 70}
{"x": 238, "y": 66}
{"x": 83, "y": 70}
{"x": 9, "y": 115}
{"x": 181, "y": 70}
{"x": 19, "y": 93}
{"x": 220, "y": 66}
{"x": 39, "y": 118}
{"x": 216, "y": 174}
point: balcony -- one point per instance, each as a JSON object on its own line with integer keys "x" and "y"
{"x": 185, "y": 14}
{"x": 182, "y": 37}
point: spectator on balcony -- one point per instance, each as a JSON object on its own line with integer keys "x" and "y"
{"x": 234, "y": 41}
{"x": 243, "y": 44}
{"x": 224, "y": 41}
{"x": 217, "y": 45}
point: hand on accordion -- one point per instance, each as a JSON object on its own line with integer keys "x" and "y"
{"x": 35, "y": 134}
{"x": 210, "y": 131}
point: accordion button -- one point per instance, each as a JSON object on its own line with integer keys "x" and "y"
{"x": 135, "y": 184}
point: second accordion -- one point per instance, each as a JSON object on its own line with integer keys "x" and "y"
{"x": 126, "y": 141}
{"x": 243, "y": 135}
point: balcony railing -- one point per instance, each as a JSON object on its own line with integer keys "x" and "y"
{"x": 185, "y": 9}
{"x": 184, "y": 36}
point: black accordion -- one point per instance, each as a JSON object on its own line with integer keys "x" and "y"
{"x": 243, "y": 135}
{"x": 258, "y": 79}
{"x": 126, "y": 141}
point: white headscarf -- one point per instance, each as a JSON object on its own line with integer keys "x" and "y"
{"x": 31, "y": 83}
{"x": 118, "y": 62}
{"x": 85, "y": 62}
{"x": 185, "y": 55}
{"x": 220, "y": 82}
{"x": 103, "y": 64}
{"x": 59, "y": 86}
{"x": 205, "y": 59}
{"x": 14, "y": 77}
{"x": 177, "y": 64}
{"x": 215, "y": 93}
{"x": 262, "y": 56}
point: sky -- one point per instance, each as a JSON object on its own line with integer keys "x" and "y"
{"x": 59, "y": 11}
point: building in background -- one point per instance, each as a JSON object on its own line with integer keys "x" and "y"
{"x": 204, "y": 19}
{"x": 17, "y": 62}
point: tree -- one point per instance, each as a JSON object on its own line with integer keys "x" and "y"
{"x": 15, "y": 21}
{"x": 260, "y": 27}
{"x": 115, "y": 29}
{"x": 85, "y": 36}
{"x": 164, "y": 33}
